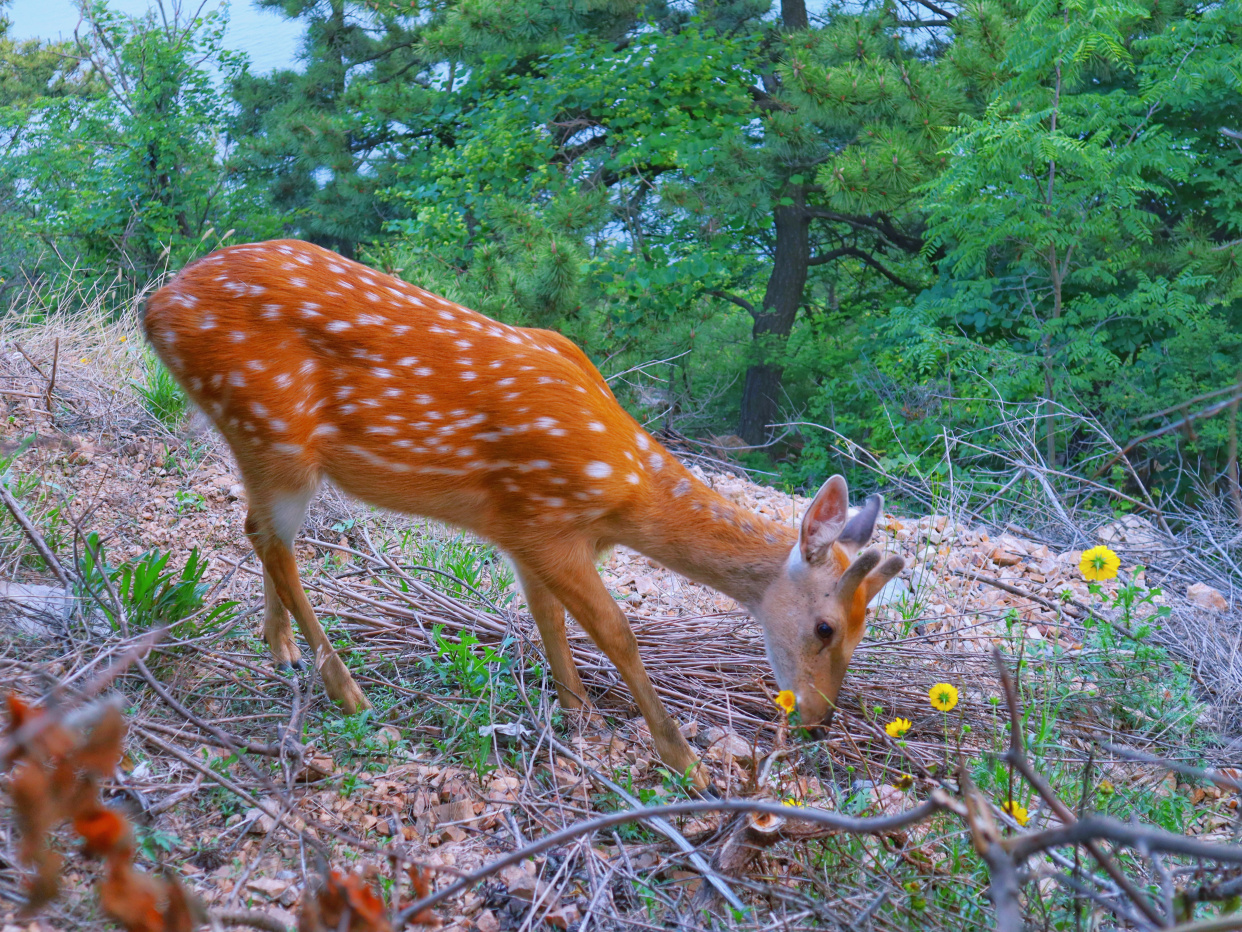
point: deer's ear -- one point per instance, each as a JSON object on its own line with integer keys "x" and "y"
{"x": 879, "y": 577}
{"x": 858, "y": 530}
{"x": 824, "y": 520}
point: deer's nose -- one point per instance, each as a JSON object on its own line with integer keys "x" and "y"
{"x": 820, "y": 732}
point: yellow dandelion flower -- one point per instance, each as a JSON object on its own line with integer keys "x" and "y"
{"x": 792, "y": 802}
{"x": 786, "y": 701}
{"x": 897, "y": 727}
{"x": 1099, "y": 564}
{"x": 904, "y": 782}
{"x": 1019, "y": 813}
{"x": 943, "y": 697}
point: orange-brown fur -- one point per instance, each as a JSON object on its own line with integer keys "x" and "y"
{"x": 314, "y": 366}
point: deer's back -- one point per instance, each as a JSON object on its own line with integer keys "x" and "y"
{"x": 310, "y": 364}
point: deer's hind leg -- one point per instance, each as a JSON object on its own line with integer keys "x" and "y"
{"x": 271, "y": 525}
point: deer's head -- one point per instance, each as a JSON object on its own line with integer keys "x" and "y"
{"x": 814, "y": 613}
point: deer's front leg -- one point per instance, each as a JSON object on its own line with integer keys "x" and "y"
{"x": 577, "y": 585}
{"x": 549, "y": 615}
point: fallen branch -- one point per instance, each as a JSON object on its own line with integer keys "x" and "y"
{"x": 1047, "y": 603}
{"x": 35, "y": 538}
{"x": 854, "y": 826}
{"x": 660, "y": 825}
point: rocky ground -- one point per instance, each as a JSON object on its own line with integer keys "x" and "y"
{"x": 96, "y": 461}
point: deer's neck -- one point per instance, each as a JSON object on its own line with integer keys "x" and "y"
{"x": 707, "y": 538}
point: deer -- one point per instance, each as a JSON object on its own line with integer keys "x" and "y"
{"x": 314, "y": 367}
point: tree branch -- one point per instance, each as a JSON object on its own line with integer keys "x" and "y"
{"x": 877, "y": 223}
{"x": 1088, "y": 830}
{"x": 938, "y": 10}
{"x": 857, "y": 253}
{"x": 735, "y": 299}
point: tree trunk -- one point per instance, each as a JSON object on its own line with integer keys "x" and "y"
{"x": 793, "y": 15}
{"x": 762, "y": 390}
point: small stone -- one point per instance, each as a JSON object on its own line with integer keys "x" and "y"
{"x": 260, "y": 822}
{"x": 487, "y": 922}
{"x": 458, "y": 811}
{"x": 1003, "y": 557}
{"x": 388, "y": 734}
{"x": 237, "y": 492}
{"x": 893, "y": 592}
{"x": 522, "y": 883}
{"x": 1205, "y": 596}
{"x": 721, "y": 744}
{"x": 269, "y": 887}
{"x": 562, "y": 917}
{"x": 35, "y": 611}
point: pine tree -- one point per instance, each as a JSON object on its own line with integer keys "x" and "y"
{"x": 322, "y": 139}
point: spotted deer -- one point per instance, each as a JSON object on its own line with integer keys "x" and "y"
{"x": 313, "y": 366}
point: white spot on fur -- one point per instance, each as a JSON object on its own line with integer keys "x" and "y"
{"x": 598, "y": 470}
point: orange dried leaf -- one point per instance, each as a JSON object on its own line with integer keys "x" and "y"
{"x": 35, "y": 814}
{"x": 420, "y": 884}
{"x": 101, "y": 829}
{"x": 101, "y": 752}
{"x": 344, "y": 902}
{"x": 130, "y": 898}
{"x": 183, "y": 913}
{"x": 18, "y": 711}
{"x": 43, "y": 887}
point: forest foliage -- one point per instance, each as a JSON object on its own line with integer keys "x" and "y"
{"x": 881, "y": 217}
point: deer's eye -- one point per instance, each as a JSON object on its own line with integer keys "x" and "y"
{"x": 823, "y": 631}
